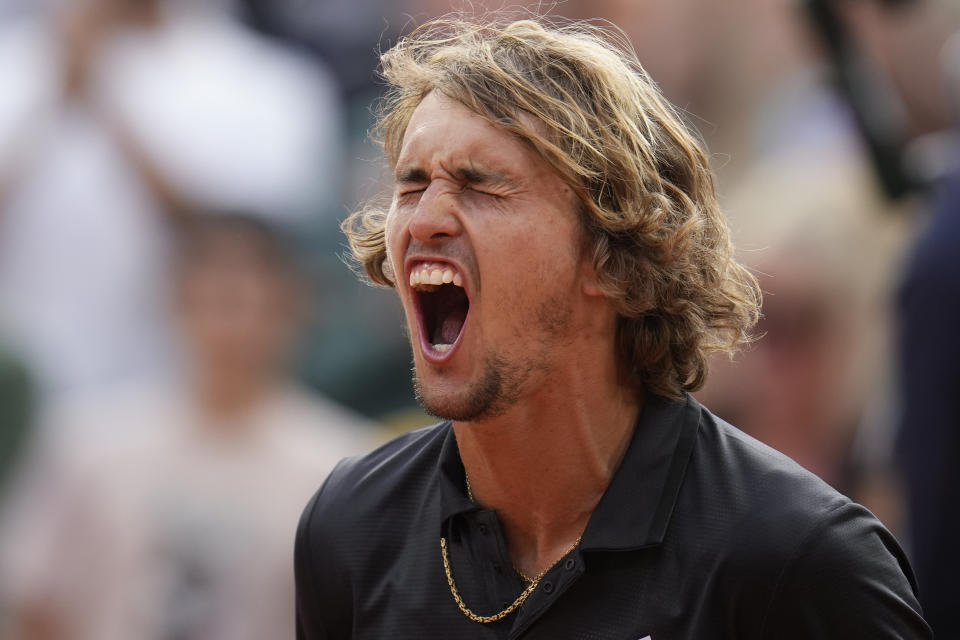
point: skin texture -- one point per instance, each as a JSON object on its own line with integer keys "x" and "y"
{"x": 540, "y": 416}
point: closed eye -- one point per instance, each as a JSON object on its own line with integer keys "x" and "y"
{"x": 410, "y": 181}
{"x": 409, "y": 195}
{"x": 485, "y": 192}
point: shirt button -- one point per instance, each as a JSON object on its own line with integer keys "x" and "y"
{"x": 569, "y": 564}
{"x": 548, "y": 587}
{"x": 483, "y": 529}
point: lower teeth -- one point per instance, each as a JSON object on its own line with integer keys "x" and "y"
{"x": 442, "y": 348}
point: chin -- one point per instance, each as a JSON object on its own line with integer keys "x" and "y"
{"x": 471, "y": 402}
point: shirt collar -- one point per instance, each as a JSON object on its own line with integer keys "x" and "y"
{"x": 453, "y": 478}
{"x": 635, "y": 509}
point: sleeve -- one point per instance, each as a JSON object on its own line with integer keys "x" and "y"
{"x": 309, "y": 624}
{"x": 323, "y": 603}
{"x": 849, "y": 579}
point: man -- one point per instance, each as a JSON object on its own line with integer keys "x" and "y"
{"x": 556, "y": 243}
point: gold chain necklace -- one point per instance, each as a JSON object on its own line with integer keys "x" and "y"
{"x": 513, "y": 606}
{"x": 516, "y": 603}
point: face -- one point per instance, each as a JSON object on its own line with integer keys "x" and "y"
{"x": 238, "y": 314}
{"x": 486, "y": 250}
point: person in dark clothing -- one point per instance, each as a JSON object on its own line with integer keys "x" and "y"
{"x": 929, "y": 437}
{"x": 556, "y": 243}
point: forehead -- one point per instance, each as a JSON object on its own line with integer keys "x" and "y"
{"x": 443, "y": 131}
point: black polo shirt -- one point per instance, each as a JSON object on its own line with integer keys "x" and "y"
{"x": 703, "y": 533}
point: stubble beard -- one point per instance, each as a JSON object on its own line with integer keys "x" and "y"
{"x": 489, "y": 397}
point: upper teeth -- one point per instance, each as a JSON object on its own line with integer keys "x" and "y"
{"x": 431, "y": 275}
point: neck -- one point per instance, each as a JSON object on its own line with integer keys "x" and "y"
{"x": 545, "y": 463}
{"x": 229, "y": 396}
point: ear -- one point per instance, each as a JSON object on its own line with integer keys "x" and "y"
{"x": 590, "y": 283}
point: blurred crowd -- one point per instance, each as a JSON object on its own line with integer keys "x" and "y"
{"x": 184, "y": 355}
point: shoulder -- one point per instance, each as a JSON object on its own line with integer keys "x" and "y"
{"x": 802, "y": 556}
{"x": 747, "y": 483}
{"x": 377, "y": 483}
{"x": 358, "y": 519}
{"x": 768, "y": 502}
{"x": 399, "y": 465}
{"x": 846, "y": 577}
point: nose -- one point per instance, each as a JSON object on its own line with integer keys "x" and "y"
{"x": 436, "y": 215}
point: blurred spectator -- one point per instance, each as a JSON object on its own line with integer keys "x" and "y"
{"x": 357, "y": 345}
{"x": 916, "y": 43}
{"x": 748, "y": 76}
{"x": 904, "y": 40}
{"x": 178, "y": 520}
{"x": 116, "y": 116}
{"x": 929, "y": 442}
{"x": 814, "y": 236}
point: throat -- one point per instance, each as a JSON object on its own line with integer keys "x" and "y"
{"x": 545, "y": 475}
{"x": 444, "y": 312}
{"x": 449, "y": 326}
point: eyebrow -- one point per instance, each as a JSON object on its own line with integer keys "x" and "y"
{"x": 411, "y": 175}
{"x": 470, "y": 175}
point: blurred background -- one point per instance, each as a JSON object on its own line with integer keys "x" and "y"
{"x": 184, "y": 353}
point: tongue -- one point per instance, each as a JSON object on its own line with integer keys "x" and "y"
{"x": 451, "y": 326}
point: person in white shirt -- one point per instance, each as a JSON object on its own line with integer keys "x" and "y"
{"x": 117, "y": 116}
{"x": 173, "y": 516}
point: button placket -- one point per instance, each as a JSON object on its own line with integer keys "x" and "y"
{"x": 552, "y": 586}
{"x": 500, "y": 581}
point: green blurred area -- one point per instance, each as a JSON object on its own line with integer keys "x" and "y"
{"x": 16, "y": 411}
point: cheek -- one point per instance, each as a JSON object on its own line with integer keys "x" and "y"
{"x": 395, "y": 241}
{"x": 393, "y": 235}
{"x": 545, "y": 248}
{"x": 535, "y": 264}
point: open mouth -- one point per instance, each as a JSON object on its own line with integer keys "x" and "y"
{"x": 442, "y": 305}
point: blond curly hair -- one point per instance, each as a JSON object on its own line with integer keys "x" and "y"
{"x": 660, "y": 245}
